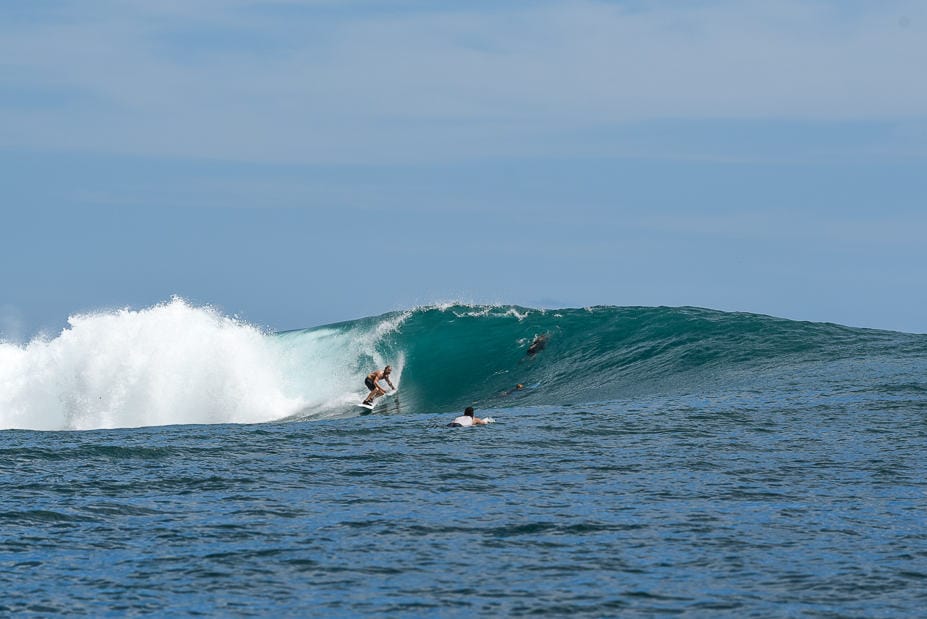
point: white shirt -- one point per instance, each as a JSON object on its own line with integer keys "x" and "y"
{"x": 464, "y": 420}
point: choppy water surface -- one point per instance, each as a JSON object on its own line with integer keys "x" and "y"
{"x": 784, "y": 503}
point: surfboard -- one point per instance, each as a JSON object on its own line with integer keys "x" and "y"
{"x": 369, "y": 407}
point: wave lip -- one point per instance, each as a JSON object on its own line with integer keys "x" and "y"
{"x": 455, "y": 355}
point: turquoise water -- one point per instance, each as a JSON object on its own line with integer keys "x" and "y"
{"x": 659, "y": 461}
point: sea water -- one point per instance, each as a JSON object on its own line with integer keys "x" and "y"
{"x": 656, "y": 461}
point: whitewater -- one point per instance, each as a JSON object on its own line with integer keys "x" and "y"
{"x": 173, "y": 461}
{"x": 174, "y": 364}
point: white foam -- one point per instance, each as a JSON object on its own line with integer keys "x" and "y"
{"x": 514, "y": 312}
{"x": 177, "y": 364}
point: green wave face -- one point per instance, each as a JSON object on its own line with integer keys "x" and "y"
{"x": 451, "y": 356}
{"x": 175, "y": 363}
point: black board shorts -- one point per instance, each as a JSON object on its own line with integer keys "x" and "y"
{"x": 370, "y": 384}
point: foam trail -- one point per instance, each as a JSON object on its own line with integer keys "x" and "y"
{"x": 168, "y": 364}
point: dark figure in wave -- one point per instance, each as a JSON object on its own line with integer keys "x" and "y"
{"x": 537, "y": 345}
{"x": 517, "y": 387}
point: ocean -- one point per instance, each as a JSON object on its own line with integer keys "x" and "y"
{"x": 174, "y": 461}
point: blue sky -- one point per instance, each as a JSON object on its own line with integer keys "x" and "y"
{"x": 297, "y": 163}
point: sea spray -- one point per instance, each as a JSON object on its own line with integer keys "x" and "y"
{"x": 167, "y": 364}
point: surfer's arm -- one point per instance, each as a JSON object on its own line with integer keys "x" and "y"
{"x": 390, "y": 383}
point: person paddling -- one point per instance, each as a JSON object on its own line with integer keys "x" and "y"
{"x": 371, "y": 382}
{"x": 467, "y": 419}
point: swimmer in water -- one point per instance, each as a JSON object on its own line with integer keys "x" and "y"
{"x": 466, "y": 420}
{"x": 517, "y": 387}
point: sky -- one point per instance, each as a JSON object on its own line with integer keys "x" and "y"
{"x": 297, "y": 163}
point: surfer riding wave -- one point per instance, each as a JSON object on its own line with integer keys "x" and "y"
{"x": 372, "y": 383}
